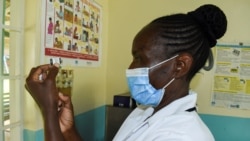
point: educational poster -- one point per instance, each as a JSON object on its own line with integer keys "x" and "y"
{"x": 72, "y": 32}
{"x": 231, "y": 86}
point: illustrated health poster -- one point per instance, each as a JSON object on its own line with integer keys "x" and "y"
{"x": 231, "y": 86}
{"x": 72, "y": 32}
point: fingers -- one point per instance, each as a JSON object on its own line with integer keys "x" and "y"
{"x": 40, "y": 73}
{"x": 27, "y": 88}
{"x": 53, "y": 70}
{"x": 65, "y": 100}
{"x": 59, "y": 105}
{"x": 36, "y": 72}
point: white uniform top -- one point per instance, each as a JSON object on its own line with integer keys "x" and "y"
{"x": 171, "y": 123}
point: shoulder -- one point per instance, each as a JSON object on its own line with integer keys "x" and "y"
{"x": 184, "y": 126}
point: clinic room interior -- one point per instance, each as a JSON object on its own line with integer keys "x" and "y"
{"x": 98, "y": 85}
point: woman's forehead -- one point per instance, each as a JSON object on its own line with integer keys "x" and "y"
{"x": 146, "y": 44}
{"x": 147, "y": 37}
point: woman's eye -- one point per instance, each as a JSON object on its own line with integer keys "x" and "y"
{"x": 136, "y": 58}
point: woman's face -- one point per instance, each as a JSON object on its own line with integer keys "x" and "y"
{"x": 147, "y": 51}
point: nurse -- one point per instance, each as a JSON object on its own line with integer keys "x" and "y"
{"x": 167, "y": 53}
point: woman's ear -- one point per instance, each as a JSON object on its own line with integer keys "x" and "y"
{"x": 183, "y": 64}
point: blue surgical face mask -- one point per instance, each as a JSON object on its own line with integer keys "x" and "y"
{"x": 140, "y": 88}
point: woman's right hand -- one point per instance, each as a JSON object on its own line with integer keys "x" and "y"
{"x": 42, "y": 87}
{"x": 57, "y": 110}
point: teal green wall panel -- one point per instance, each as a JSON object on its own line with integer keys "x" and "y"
{"x": 30, "y": 135}
{"x": 226, "y": 128}
{"x": 91, "y": 125}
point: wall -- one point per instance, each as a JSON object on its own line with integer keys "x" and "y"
{"x": 128, "y": 17}
{"x": 95, "y": 87}
{"x": 89, "y": 89}
{"x": 32, "y": 118}
{"x": 227, "y": 128}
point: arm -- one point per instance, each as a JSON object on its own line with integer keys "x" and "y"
{"x": 52, "y": 130}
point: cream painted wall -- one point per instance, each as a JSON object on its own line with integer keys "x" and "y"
{"x": 122, "y": 19}
{"x": 89, "y": 89}
{"x": 127, "y": 17}
{"x": 32, "y": 118}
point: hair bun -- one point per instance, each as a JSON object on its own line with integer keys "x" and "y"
{"x": 212, "y": 20}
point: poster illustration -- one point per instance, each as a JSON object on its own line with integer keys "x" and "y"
{"x": 231, "y": 87}
{"x": 72, "y": 31}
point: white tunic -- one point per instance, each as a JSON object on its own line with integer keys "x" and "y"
{"x": 171, "y": 123}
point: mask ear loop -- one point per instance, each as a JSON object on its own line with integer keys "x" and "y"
{"x": 168, "y": 83}
{"x": 164, "y": 61}
{"x": 163, "y": 89}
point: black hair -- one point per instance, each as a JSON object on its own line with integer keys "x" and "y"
{"x": 195, "y": 32}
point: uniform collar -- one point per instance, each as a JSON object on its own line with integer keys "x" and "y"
{"x": 177, "y": 106}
